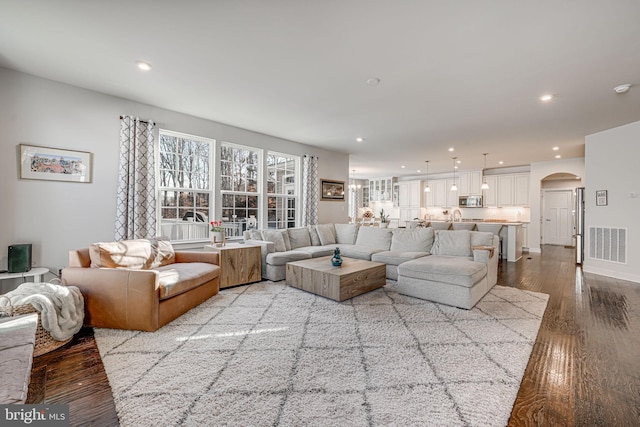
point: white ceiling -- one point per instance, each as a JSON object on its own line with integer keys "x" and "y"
{"x": 463, "y": 74}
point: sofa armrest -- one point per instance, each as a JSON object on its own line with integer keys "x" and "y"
{"x": 489, "y": 256}
{"x": 116, "y": 297}
{"x": 198, "y": 256}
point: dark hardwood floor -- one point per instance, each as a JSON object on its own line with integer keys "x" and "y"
{"x": 584, "y": 369}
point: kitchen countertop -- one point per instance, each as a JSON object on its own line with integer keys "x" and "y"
{"x": 488, "y": 221}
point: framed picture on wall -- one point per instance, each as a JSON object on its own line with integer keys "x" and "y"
{"x": 54, "y": 164}
{"x": 601, "y": 198}
{"x": 332, "y": 190}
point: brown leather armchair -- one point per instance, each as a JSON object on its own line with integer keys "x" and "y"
{"x": 139, "y": 298}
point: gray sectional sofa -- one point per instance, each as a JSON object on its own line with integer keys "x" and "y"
{"x": 440, "y": 266}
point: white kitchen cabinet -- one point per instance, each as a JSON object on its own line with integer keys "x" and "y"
{"x": 452, "y": 196}
{"x": 469, "y": 183}
{"x": 490, "y": 196}
{"x": 408, "y": 214}
{"x": 475, "y": 183}
{"x": 505, "y": 190}
{"x": 437, "y": 197}
{"x": 513, "y": 190}
{"x": 381, "y": 189}
{"x": 410, "y": 194}
{"x": 521, "y": 190}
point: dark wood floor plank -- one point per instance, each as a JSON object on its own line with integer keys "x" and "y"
{"x": 584, "y": 368}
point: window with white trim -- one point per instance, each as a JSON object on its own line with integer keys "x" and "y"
{"x": 282, "y": 190}
{"x": 239, "y": 187}
{"x": 185, "y": 194}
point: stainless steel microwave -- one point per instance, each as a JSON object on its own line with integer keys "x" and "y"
{"x": 470, "y": 202}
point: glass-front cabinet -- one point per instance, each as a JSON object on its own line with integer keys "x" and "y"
{"x": 381, "y": 189}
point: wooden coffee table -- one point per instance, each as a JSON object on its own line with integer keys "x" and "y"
{"x": 354, "y": 277}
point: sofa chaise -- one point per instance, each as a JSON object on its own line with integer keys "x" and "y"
{"x": 455, "y": 267}
{"x": 140, "y": 284}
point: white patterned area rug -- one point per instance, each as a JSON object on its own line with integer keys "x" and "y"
{"x": 270, "y": 355}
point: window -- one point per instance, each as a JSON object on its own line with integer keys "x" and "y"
{"x": 184, "y": 186}
{"x": 282, "y": 199}
{"x": 239, "y": 172}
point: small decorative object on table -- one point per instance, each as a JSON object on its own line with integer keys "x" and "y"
{"x": 384, "y": 219}
{"x": 217, "y": 233}
{"x": 336, "y": 261}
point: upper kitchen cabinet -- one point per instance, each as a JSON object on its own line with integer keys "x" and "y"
{"x": 490, "y": 196}
{"x": 507, "y": 190}
{"x": 381, "y": 189}
{"x": 437, "y": 197}
{"x": 409, "y": 194}
{"x": 469, "y": 183}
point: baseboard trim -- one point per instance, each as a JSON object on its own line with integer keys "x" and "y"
{"x": 611, "y": 273}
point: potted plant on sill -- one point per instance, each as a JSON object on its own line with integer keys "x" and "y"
{"x": 217, "y": 233}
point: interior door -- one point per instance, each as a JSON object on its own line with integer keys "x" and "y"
{"x": 558, "y": 217}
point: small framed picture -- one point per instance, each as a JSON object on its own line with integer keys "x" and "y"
{"x": 54, "y": 164}
{"x": 332, "y": 190}
{"x": 601, "y": 198}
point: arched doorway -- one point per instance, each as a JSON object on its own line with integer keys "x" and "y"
{"x": 558, "y": 208}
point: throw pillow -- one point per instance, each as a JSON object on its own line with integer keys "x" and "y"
{"x": 481, "y": 238}
{"x": 346, "y": 233}
{"x": 313, "y": 235}
{"x": 164, "y": 253}
{"x": 255, "y": 235}
{"x": 452, "y": 243}
{"x": 135, "y": 254}
{"x": 285, "y": 237}
{"x": 274, "y": 236}
{"x": 326, "y": 233}
{"x": 299, "y": 237}
{"x": 416, "y": 240}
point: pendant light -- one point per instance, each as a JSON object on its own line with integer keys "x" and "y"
{"x": 484, "y": 186}
{"x": 454, "y": 187}
{"x": 426, "y": 187}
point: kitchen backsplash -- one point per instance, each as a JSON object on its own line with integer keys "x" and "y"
{"x": 518, "y": 214}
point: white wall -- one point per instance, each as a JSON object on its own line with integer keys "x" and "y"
{"x": 58, "y": 216}
{"x": 539, "y": 171}
{"x": 612, "y": 165}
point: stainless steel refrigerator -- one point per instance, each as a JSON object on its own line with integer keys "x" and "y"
{"x": 579, "y": 225}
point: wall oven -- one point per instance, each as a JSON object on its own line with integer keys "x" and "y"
{"x": 470, "y": 202}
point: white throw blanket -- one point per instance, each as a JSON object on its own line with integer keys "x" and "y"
{"x": 61, "y": 307}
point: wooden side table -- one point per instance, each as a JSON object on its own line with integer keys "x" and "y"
{"x": 239, "y": 263}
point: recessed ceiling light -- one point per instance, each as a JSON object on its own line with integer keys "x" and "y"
{"x": 558, "y": 156}
{"x": 458, "y": 161}
{"x": 451, "y": 149}
{"x": 402, "y": 166}
{"x": 419, "y": 171}
{"x": 359, "y": 139}
{"x": 373, "y": 81}
{"x": 145, "y": 66}
{"x": 622, "y": 88}
{"x": 501, "y": 162}
{"x": 546, "y": 97}
{"x": 555, "y": 148}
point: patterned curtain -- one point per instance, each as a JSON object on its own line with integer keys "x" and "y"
{"x": 136, "y": 197}
{"x": 310, "y": 190}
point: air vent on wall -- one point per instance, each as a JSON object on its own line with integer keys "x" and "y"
{"x": 608, "y": 244}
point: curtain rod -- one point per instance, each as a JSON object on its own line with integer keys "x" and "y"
{"x": 141, "y": 121}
